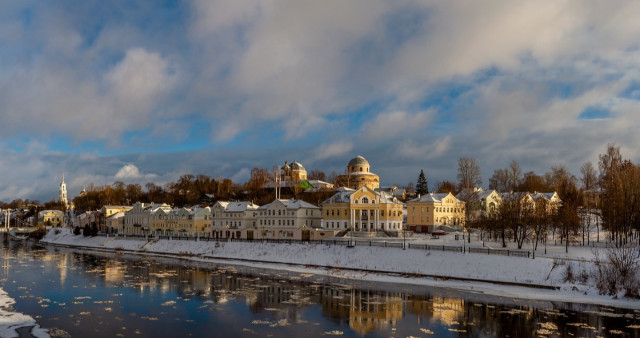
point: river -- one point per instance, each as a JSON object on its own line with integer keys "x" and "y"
{"x": 82, "y": 294}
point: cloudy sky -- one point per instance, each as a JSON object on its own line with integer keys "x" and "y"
{"x": 145, "y": 91}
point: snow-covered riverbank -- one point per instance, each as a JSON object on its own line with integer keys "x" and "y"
{"x": 10, "y": 320}
{"x": 378, "y": 264}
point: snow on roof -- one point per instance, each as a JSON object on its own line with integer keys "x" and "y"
{"x": 239, "y": 206}
{"x": 291, "y": 204}
{"x": 197, "y": 210}
{"x": 117, "y": 215}
{"x": 432, "y": 197}
{"x": 343, "y": 196}
{"x": 546, "y": 195}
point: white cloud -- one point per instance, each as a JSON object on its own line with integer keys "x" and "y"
{"x": 330, "y": 150}
{"x": 128, "y": 171}
{"x": 396, "y": 123}
{"x": 138, "y": 81}
{"x": 424, "y": 150}
{"x": 131, "y": 172}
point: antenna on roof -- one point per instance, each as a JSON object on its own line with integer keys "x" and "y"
{"x": 276, "y": 178}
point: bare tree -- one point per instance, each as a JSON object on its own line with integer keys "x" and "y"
{"x": 499, "y": 181}
{"x": 589, "y": 176}
{"x": 532, "y": 182}
{"x": 446, "y": 186}
{"x": 514, "y": 175}
{"x": 317, "y": 175}
{"x": 468, "y": 173}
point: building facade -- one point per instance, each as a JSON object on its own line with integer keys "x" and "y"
{"x": 180, "y": 222}
{"x": 362, "y": 210}
{"x": 233, "y": 219}
{"x": 289, "y": 219}
{"x": 50, "y": 218}
{"x": 137, "y": 221}
{"x": 434, "y": 209}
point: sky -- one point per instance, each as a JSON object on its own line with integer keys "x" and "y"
{"x": 146, "y": 91}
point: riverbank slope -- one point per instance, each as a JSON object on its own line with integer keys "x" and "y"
{"x": 541, "y": 278}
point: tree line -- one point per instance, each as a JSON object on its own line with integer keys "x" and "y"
{"x": 609, "y": 196}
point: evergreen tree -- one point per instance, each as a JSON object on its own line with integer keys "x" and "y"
{"x": 422, "y": 186}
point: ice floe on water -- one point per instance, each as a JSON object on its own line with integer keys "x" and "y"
{"x": 11, "y": 321}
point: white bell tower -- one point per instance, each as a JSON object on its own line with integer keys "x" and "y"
{"x": 63, "y": 192}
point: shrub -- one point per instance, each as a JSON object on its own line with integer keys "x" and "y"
{"x": 568, "y": 276}
{"x": 617, "y": 271}
{"x": 76, "y": 230}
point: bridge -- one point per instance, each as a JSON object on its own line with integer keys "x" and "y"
{"x": 18, "y": 231}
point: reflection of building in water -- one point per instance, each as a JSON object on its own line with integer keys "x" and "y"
{"x": 366, "y": 310}
{"x": 446, "y": 310}
{"x": 63, "y": 266}
{"x": 198, "y": 282}
{"x": 224, "y": 286}
{"x": 113, "y": 272}
{"x": 264, "y": 294}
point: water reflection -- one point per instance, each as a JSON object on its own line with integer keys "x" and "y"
{"x": 124, "y": 295}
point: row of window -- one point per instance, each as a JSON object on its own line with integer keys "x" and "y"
{"x": 393, "y": 213}
{"x": 439, "y": 209}
{"x": 336, "y": 225}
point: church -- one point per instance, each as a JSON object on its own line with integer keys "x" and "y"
{"x": 358, "y": 175}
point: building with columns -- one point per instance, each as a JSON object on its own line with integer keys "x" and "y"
{"x": 362, "y": 210}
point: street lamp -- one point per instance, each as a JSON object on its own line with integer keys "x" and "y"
{"x": 533, "y": 234}
{"x": 546, "y": 235}
{"x": 404, "y": 240}
{"x": 464, "y": 232}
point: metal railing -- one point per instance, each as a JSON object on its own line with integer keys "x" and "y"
{"x": 341, "y": 242}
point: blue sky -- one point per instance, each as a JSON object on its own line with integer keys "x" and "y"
{"x": 146, "y": 91}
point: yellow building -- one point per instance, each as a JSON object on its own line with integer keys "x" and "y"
{"x": 109, "y": 210}
{"x": 434, "y": 209}
{"x": 53, "y": 218}
{"x": 293, "y": 172}
{"x": 363, "y": 210}
{"x": 181, "y": 222}
{"x": 359, "y": 175}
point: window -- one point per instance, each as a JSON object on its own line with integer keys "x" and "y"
{"x": 365, "y": 200}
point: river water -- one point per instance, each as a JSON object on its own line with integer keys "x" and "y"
{"x": 83, "y": 294}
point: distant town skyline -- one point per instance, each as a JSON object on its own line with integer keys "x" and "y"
{"x": 148, "y": 91}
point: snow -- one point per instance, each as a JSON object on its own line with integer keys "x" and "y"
{"x": 489, "y": 273}
{"x": 10, "y": 321}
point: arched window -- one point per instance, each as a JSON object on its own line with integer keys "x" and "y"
{"x": 365, "y": 200}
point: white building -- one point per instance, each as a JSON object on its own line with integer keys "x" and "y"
{"x": 288, "y": 219}
{"x": 139, "y": 217}
{"x": 232, "y": 219}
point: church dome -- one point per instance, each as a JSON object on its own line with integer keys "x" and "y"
{"x": 358, "y": 160}
{"x": 297, "y": 166}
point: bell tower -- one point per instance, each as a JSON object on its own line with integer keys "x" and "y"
{"x": 63, "y": 192}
